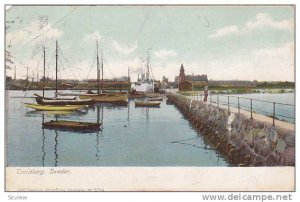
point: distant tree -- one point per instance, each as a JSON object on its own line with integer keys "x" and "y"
{"x": 8, "y": 79}
{"x": 47, "y": 79}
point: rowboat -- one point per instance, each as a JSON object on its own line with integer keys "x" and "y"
{"x": 54, "y": 107}
{"x": 72, "y": 125}
{"x": 155, "y": 99}
{"x": 146, "y": 104}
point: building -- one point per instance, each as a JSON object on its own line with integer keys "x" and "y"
{"x": 183, "y": 84}
{"x": 195, "y": 81}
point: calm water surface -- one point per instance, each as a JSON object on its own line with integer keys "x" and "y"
{"x": 130, "y": 137}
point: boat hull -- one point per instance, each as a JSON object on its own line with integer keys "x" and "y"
{"x": 143, "y": 87}
{"x": 71, "y": 125}
{"x": 155, "y": 99}
{"x": 43, "y": 101}
{"x": 106, "y": 97}
{"x": 54, "y": 107}
{"x": 147, "y": 104}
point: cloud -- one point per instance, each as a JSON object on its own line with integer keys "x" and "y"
{"x": 33, "y": 31}
{"x": 262, "y": 20}
{"x": 225, "y": 31}
{"x": 95, "y": 36}
{"x": 267, "y": 64}
{"x": 124, "y": 49}
{"x": 165, "y": 53}
{"x": 265, "y": 20}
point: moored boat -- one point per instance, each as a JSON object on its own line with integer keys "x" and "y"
{"x": 146, "y": 83}
{"x": 58, "y": 100}
{"x": 54, "y": 107}
{"x": 134, "y": 94}
{"x": 155, "y": 99}
{"x": 146, "y": 104}
{"x": 72, "y": 125}
{"x": 63, "y": 101}
{"x": 106, "y": 97}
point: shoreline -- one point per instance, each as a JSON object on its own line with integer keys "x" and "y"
{"x": 233, "y": 92}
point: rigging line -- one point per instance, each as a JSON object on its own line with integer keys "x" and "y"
{"x": 107, "y": 67}
{"x": 93, "y": 63}
{"x": 56, "y": 23}
{"x": 63, "y": 67}
{"x": 67, "y": 62}
{"x": 49, "y": 63}
{"x": 36, "y": 50}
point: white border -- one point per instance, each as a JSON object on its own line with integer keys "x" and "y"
{"x": 127, "y": 196}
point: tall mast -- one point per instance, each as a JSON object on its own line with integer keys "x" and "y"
{"x": 148, "y": 71}
{"x": 56, "y": 58}
{"x": 98, "y": 71}
{"x": 44, "y": 78}
{"x": 102, "y": 83}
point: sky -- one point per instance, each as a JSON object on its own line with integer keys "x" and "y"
{"x": 224, "y": 42}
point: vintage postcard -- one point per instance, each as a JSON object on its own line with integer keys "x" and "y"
{"x": 149, "y": 98}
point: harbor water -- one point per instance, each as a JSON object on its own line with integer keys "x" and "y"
{"x": 129, "y": 137}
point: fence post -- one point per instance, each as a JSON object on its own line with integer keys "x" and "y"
{"x": 218, "y": 100}
{"x": 210, "y": 99}
{"x": 251, "y": 108}
{"x": 274, "y": 114}
{"x": 228, "y": 102}
{"x": 201, "y": 97}
{"x": 238, "y": 105}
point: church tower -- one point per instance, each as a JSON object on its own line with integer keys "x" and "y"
{"x": 181, "y": 78}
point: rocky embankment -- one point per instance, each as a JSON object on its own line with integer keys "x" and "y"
{"x": 243, "y": 141}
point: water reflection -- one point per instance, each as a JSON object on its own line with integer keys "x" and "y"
{"x": 43, "y": 144}
{"x": 55, "y": 148}
{"x": 129, "y": 137}
{"x": 68, "y": 115}
{"x": 99, "y": 133}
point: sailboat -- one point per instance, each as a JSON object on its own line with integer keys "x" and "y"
{"x": 106, "y": 97}
{"x": 145, "y": 84}
{"x": 42, "y": 100}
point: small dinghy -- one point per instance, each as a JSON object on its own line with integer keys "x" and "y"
{"x": 72, "y": 125}
{"x": 146, "y": 104}
{"x": 155, "y": 99}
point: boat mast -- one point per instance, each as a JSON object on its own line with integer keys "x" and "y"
{"x": 56, "y": 57}
{"x": 102, "y": 83}
{"x": 147, "y": 73}
{"x": 44, "y": 79}
{"x": 98, "y": 71}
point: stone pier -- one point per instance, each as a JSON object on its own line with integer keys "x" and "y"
{"x": 240, "y": 139}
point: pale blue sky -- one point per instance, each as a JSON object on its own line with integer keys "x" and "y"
{"x": 229, "y": 42}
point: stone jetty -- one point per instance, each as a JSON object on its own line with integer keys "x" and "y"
{"x": 240, "y": 139}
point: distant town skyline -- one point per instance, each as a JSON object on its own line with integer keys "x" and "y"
{"x": 224, "y": 42}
